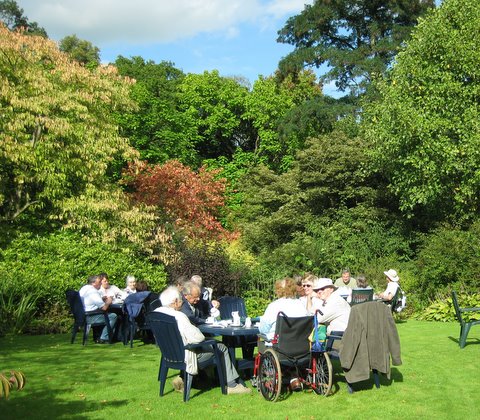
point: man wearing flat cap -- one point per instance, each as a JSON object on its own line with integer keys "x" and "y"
{"x": 334, "y": 310}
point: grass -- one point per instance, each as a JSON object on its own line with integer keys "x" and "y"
{"x": 437, "y": 380}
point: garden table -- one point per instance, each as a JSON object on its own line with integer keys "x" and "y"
{"x": 228, "y": 334}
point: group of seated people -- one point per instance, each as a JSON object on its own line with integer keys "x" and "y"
{"x": 320, "y": 296}
{"x": 99, "y": 294}
{"x": 191, "y": 304}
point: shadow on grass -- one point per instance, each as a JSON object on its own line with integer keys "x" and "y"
{"x": 65, "y": 391}
{"x": 473, "y": 340}
{"x": 339, "y": 378}
{"x": 46, "y": 405}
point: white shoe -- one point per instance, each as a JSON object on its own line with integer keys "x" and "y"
{"x": 238, "y": 389}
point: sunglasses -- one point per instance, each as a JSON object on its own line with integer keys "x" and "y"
{"x": 306, "y": 285}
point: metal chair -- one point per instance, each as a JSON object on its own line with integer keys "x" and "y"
{"x": 465, "y": 324}
{"x": 361, "y": 296}
{"x": 82, "y": 319}
{"x": 168, "y": 338}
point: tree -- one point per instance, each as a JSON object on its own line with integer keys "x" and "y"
{"x": 158, "y": 129}
{"x": 80, "y": 50}
{"x": 216, "y": 105}
{"x": 12, "y": 16}
{"x": 425, "y": 130}
{"x": 355, "y": 38}
{"x": 188, "y": 200}
{"x": 57, "y": 132}
{"x": 268, "y": 105}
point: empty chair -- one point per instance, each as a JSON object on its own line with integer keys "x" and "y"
{"x": 82, "y": 319}
{"x": 465, "y": 325}
{"x": 168, "y": 338}
{"x": 229, "y": 304}
{"x": 136, "y": 306}
{"x": 361, "y": 296}
{"x": 369, "y": 343}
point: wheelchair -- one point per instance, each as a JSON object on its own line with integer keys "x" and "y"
{"x": 290, "y": 350}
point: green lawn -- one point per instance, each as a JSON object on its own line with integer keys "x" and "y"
{"x": 437, "y": 380}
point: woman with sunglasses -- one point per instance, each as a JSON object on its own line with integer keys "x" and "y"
{"x": 309, "y": 298}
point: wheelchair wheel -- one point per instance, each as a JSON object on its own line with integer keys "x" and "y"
{"x": 270, "y": 375}
{"x": 321, "y": 373}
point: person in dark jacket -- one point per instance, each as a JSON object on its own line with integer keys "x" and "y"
{"x": 190, "y": 298}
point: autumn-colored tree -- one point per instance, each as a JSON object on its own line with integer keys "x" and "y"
{"x": 192, "y": 201}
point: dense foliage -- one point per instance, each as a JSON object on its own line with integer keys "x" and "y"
{"x": 356, "y": 39}
{"x": 43, "y": 268}
{"x": 139, "y": 168}
{"x": 425, "y": 129}
{"x": 57, "y": 133}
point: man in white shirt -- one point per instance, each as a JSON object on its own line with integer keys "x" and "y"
{"x": 92, "y": 301}
{"x": 333, "y": 308}
{"x": 171, "y": 304}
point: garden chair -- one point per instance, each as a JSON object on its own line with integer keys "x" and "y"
{"x": 361, "y": 296}
{"x": 82, "y": 319}
{"x": 368, "y": 343}
{"x": 464, "y": 324}
{"x": 135, "y": 307}
{"x": 168, "y": 338}
{"x": 229, "y": 304}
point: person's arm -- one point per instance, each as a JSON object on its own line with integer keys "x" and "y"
{"x": 107, "y": 301}
{"x": 189, "y": 331}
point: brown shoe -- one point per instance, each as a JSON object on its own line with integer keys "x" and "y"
{"x": 238, "y": 389}
{"x": 296, "y": 385}
{"x": 177, "y": 384}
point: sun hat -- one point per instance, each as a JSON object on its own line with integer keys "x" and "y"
{"x": 321, "y": 283}
{"x": 392, "y": 275}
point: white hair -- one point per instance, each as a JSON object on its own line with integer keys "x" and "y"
{"x": 129, "y": 279}
{"x": 197, "y": 280}
{"x": 169, "y": 296}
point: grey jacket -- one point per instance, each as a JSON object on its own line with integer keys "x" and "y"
{"x": 370, "y": 339}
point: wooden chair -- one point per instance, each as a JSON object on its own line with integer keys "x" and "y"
{"x": 464, "y": 324}
{"x": 361, "y": 296}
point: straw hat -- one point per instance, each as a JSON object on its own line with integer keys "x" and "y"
{"x": 392, "y": 275}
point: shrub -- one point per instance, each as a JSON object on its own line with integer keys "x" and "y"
{"x": 255, "y": 302}
{"x": 45, "y": 267}
{"x": 211, "y": 262}
{"x": 449, "y": 256}
{"x": 442, "y": 310}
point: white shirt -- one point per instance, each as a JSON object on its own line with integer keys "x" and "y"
{"x": 392, "y": 288}
{"x": 190, "y": 335}
{"x": 91, "y": 298}
{"x": 112, "y": 291}
{"x": 336, "y": 312}
{"x": 289, "y": 306}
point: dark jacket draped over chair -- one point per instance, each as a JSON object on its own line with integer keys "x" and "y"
{"x": 369, "y": 341}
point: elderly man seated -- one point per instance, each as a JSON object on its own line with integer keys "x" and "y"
{"x": 333, "y": 309}
{"x": 171, "y": 303}
{"x": 92, "y": 301}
